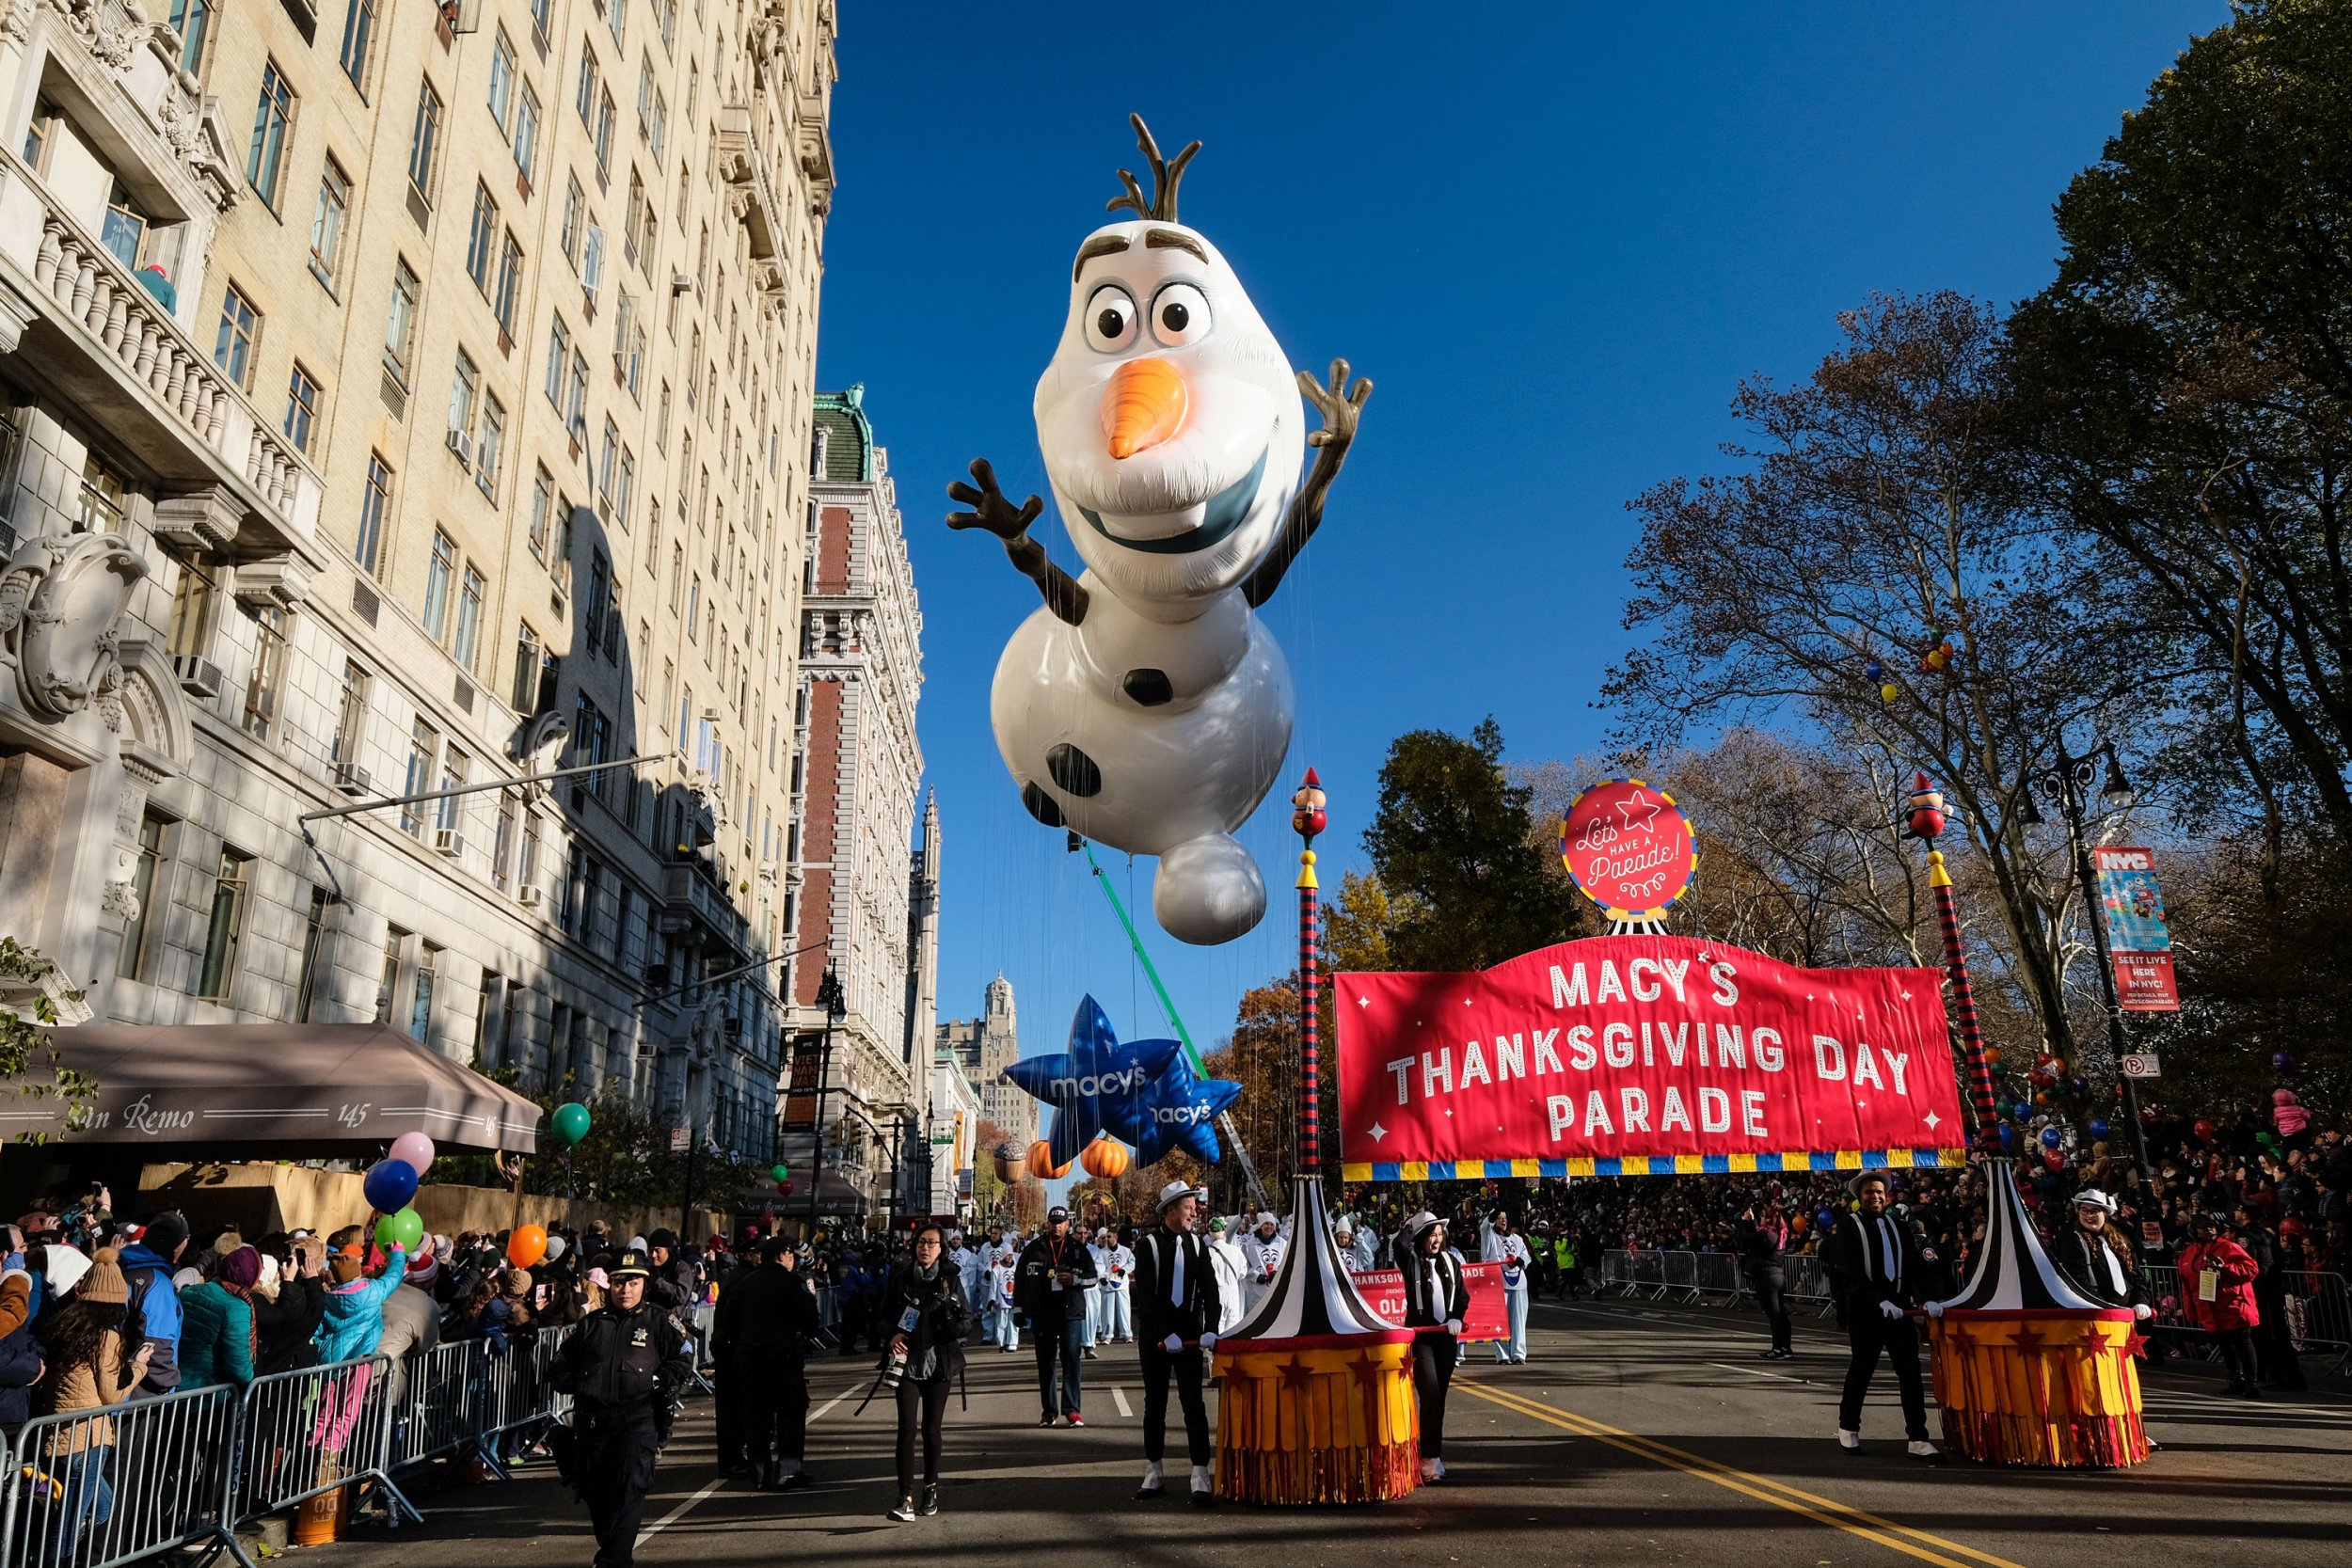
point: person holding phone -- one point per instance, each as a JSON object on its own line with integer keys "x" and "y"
{"x": 929, "y": 1317}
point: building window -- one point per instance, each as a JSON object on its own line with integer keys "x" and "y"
{"x": 575, "y": 398}
{"x": 265, "y": 688}
{"x": 224, "y": 925}
{"x": 134, "y": 948}
{"x": 510, "y": 283}
{"x": 590, "y": 82}
{"x": 193, "y": 21}
{"x": 542, "y": 19}
{"x": 469, "y": 595}
{"x": 491, "y": 449}
{"x": 395, "y": 949}
{"x": 399, "y": 319}
{"x": 558, "y": 354}
{"x": 302, "y": 407}
{"x": 359, "y": 42}
{"x": 501, "y": 80}
{"x": 574, "y": 220}
{"x": 376, "y": 505}
{"x": 232, "y": 345}
{"x": 542, "y": 510}
{"x": 314, "y": 938}
{"x": 440, "y": 578}
{"x": 194, "y": 612}
{"x": 351, "y": 714}
{"x": 449, "y": 812}
{"x": 482, "y": 240}
{"x": 526, "y": 142}
{"x": 425, "y": 749}
{"x": 124, "y": 230}
{"x": 100, "y": 504}
{"x": 273, "y": 119}
{"x": 421, "y": 999}
{"x": 461, "y": 393}
{"x": 599, "y": 585}
{"x": 605, "y": 114}
{"x": 425, "y": 141}
{"x": 326, "y": 224}
{"x": 502, "y": 844}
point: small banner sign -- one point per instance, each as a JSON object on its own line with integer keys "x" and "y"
{"x": 1627, "y": 849}
{"x": 1643, "y": 1053}
{"x": 1383, "y": 1291}
{"x": 2138, "y": 942}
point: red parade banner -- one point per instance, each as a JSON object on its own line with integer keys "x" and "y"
{"x": 1383, "y": 1291}
{"x": 1637, "y": 1046}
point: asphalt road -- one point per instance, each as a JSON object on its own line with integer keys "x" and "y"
{"x": 1636, "y": 1434}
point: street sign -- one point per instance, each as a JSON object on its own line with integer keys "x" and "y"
{"x": 681, "y": 1139}
{"x": 2142, "y": 1066}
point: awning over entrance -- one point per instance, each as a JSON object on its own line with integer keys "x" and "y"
{"x": 267, "y": 1087}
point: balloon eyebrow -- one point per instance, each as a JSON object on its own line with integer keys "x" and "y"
{"x": 1102, "y": 245}
{"x": 1168, "y": 239}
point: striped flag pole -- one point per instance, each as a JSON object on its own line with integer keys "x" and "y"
{"x": 1927, "y": 822}
{"x": 1308, "y": 819}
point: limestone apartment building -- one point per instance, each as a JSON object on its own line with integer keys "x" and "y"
{"x": 400, "y": 398}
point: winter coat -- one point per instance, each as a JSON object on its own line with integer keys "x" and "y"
{"x": 215, "y": 1338}
{"x": 2093, "y": 1269}
{"x": 157, "y": 1308}
{"x": 288, "y": 1324}
{"x": 353, "y": 1321}
{"x": 20, "y": 1353}
{"x": 941, "y": 1319}
{"x": 1037, "y": 1295}
{"x": 2233, "y": 1306}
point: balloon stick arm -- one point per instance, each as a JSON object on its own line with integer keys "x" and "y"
{"x": 1340, "y": 407}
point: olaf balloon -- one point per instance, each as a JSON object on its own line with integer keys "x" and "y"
{"x": 1145, "y": 705}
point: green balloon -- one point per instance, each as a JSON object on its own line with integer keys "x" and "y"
{"x": 571, "y": 1123}
{"x": 403, "y": 1230}
{"x": 782, "y": 1172}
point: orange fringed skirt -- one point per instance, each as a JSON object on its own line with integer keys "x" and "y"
{"x": 2041, "y": 1387}
{"x": 1327, "y": 1420}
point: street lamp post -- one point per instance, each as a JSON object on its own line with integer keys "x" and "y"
{"x": 830, "y": 998}
{"x": 2072, "y": 776}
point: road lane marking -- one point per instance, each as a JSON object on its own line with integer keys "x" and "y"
{"x": 1118, "y": 1398}
{"x": 1758, "y": 1371}
{"x": 818, "y": 1413}
{"x": 678, "y": 1512}
{"x": 1917, "y": 1543}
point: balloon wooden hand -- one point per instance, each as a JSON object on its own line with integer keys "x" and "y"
{"x": 1338, "y": 404}
{"x": 990, "y": 509}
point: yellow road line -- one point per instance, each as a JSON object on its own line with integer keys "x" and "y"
{"x": 1825, "y": 1510}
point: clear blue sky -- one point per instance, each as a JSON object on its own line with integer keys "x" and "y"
{"x": 1555, "y": 236}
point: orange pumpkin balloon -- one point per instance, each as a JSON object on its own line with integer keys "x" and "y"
{"x": 1106, "y": 1158}
{"x": 1041, "y": 1162}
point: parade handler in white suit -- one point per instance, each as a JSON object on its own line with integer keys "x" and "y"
{"x": 1261, "y": 1250}
{"x": 1499, "y": 1243}
{"x": 1232, "y": 1270}
{"x": 1116, "y": 1265}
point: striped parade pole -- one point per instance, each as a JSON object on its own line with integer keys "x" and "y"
{"x": 1309, "y": 820}
{"x": 1927, "y": 822}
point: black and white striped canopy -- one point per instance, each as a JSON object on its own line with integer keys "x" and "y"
{"x": 1311, "y": 1294}
{"x": 2013, "y": 1273}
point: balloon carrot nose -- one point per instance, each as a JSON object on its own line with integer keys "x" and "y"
{"x": 1143, "y": 407}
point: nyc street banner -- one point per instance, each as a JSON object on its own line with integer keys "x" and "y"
{"x": 2139, "y": 941}
{"x": 1640, "y": 1054}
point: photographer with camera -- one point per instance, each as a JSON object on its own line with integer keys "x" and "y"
{"x": 929, "y": 1317}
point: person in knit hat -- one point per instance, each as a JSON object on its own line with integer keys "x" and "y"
{"x": 216, "y": 1334}
{"x": 353, "y": 1321}
{"x": 91, "y": 1367}
{"x": 148, "y": 1264}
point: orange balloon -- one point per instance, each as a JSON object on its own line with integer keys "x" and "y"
{"x": 526, "y": 1245}
{"x": 1041, "y": 1162}
{"x": 1105, "y": 1157}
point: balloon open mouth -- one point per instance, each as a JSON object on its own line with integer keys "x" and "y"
{"x": 1224, "y": 514}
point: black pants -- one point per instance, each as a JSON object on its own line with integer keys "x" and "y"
{"x": 617, "y": 1448}
{"x": 2237, "y": 1354}
{"x": 1772, "y": 1297}
{"x": 1186, "y": 1367}
{"x": 726, "y": 1411}
{"x": 923, "y": 1403}
{"x": 2274, "y": 1343}
{"x": 1871, "y": 1331}
{"x": 775, "y": 1410}
{"x": 1434, "y": 1350}
{"x": 1058, "y": 1343}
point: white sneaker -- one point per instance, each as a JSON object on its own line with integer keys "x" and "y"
{"x": 1850, "y": 1441}
{"x": 1429, "y": 1469}
{"x": 1926, "y": 1453}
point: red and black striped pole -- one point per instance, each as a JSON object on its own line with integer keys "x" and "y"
{"x": 1308, "y": 819}
{"x": 1927, "y": 822}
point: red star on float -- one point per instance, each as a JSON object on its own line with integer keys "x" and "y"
{"x": 1296, "y": 1374}
{"x": 2133, "y": 1343}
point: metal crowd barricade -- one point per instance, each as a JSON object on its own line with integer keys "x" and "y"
{"x": 517, "y": 1393}
{"x": 88, "y": 1489}
{"x": 304, "y": 1433}
{"x": 1616, "y": 1270}
{"x": 1717, "y": 1274}
{"x": 438, "y": 1409}
{"x": 2319, "y": 1313}
{"x": 1679, "y": 1276}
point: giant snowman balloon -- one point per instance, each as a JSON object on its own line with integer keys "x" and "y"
{"x": 1145, "y": 705}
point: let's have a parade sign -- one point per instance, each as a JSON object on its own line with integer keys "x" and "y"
{"x": 1643, "y": 1053}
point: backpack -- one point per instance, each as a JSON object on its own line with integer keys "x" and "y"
{"x": 141, "y": 1280}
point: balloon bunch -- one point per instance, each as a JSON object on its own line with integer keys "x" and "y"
{"x": 390, "y": 1185}
{"x": 1935, "y": 658}
{"x": 782, "y": 1173}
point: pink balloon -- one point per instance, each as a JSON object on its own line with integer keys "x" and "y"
{"x": 414, "y": 1149}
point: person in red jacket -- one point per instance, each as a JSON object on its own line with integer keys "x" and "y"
{"x": 2218, "y": 1291}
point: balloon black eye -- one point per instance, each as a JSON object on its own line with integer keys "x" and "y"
{"x": 1110, "y": 319}
{"x": 1180, "y": 315}
{"x": 1173, "y": 316}
{"x": 1110, "y": 324}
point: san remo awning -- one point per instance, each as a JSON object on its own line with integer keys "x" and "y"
{"x": 270, "y": 1088}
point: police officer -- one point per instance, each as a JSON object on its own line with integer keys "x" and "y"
{"x": 623, "y": 1366}
{"x": 765, "y": 1325}
{"x": 1177, "y": 1312}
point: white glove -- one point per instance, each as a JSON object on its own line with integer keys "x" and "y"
{"x": 1893, "y": 1312}
{"x": 2143, "y": 1311}
{"x": 1173, "y": 1343}
{"x": 1208, "y": 1341}
{"x": 1935, "y": 1309}
{"x": 1453, "y": 1326}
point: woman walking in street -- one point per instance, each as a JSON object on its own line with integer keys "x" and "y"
{"x": 929, "y": 1319}
{"x": 1435, "y": 1296}
{"x": 2217, "y": 1289}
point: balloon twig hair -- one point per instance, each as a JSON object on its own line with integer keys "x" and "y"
{"x": 1164, "y": 173}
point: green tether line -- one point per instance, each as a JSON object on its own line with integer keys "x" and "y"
{"x": 1192, "y": 1052}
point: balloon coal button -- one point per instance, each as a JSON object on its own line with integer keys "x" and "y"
{"x": 1148, "y": 687}
{"x": 1040, "y": 805}
{"x": 1074, "y": 771}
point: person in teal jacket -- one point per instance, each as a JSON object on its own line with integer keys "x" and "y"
{"x": 353, "y": 1325}
{"x": 217, "y": 1323}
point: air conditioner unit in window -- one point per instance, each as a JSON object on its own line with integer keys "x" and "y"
{"x": 352, "y": 779}
{"x": 681, "y": 283}
{"x": 199, "y": 677}
{"x": 462, "y": 444}
{"x": 530, "y": 895}
{"x": 448, "y": 841}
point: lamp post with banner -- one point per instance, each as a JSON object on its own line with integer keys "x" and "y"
{"x": 836, "y": 1006}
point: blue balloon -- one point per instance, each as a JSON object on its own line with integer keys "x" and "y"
{"x": 2009, "y": 1136}
{"x": 2052, "y": 1137}
{"x": 388, "y": 1185}
{"x": 2098, "y": 1130}
{"x": 1180, "y": 1110}
{"x": 1095, "y": 1085}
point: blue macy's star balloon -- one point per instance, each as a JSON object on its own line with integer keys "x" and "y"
{"x": 1180, "y": 1112}
{"x": 1096, "y": 1085}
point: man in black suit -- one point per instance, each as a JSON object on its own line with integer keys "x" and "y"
{"x": 1176, "y": 1306}
{"x": 1875, "y": 1266}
